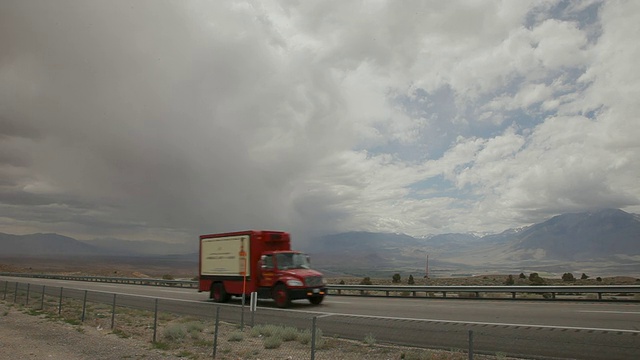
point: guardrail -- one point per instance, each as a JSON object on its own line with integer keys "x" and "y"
{"x": 120, "y": 280}
{"x": 378, "y": 290}
{"x": 475, "y": 291}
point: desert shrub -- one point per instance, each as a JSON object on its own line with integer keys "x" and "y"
{"x": 161, "y": 345}
{"x": 264, "y": 330}
{"x": 396, "y": 279}
{"x": 584, "y": 276}
{"x": 366, "y": 281}
{"x": 175, "y": 332}
{"x": 369, "y": 339}
{"x": 568, "y": 277}
{"x": 523, "y": 276}
{"x": 236, "y": 336}
{"x": 167, "y": 277}
{"x": 535, "y": 279}
{"x": 304, "y": 337}
{"x": 411, "y": 281}
{"x": 599, "y": 279}
{"x": 194, "y": 326}
{"x": 509, "y": 280}
{"x": 121, "y": 333}
{"x": 272, "y": 342}
{"x": 341, "y": 282}
{"x": 288, "y": 333}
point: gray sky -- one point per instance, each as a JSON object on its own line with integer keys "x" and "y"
{"x": 163, "y": 120}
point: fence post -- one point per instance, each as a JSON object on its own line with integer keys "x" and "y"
{"x": 60, "y": 303}
{"x": 6, "y": 284}
{"x": 15, "y": 294}
{"x": 28, "y": 289}
{"x": 113, "y": 311}
{"x": 42, "y": 298}
{"x": 470, "y": 344}
{"x": 84, "y": 305}
{"x": 155, "y": 320}
{"x": 313, "y": 338}
{"x": 215, "y": 332}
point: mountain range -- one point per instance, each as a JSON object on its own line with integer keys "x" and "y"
{"x": 605, "y": 241}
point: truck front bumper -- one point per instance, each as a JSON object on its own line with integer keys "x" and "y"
{"x": 296, "y": 294}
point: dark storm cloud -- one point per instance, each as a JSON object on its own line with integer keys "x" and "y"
{"x": 157, "y": 119}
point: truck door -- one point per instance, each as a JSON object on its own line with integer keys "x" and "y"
{"x": 267, "y": 271}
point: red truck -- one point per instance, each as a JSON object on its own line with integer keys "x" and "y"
{"x": 237, "y": 263}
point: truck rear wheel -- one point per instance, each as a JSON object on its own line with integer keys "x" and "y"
{"x": 316, "y": 300}
{"x": 219, "y": 294}
{"x": 281, "y": 296}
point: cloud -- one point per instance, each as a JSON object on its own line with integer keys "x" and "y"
{"x": 166, "y": 120}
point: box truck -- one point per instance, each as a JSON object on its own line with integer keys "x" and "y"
{"x": 239, "y": 263}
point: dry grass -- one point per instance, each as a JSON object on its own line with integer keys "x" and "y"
{"x": 190, "y": 338}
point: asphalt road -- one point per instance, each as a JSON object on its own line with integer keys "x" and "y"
{"x": 579, "y": 330}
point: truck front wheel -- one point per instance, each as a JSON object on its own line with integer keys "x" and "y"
{"x": 316, "y": 300}
{"x": 219, "y": 294}
{"x": 281, "y": 296}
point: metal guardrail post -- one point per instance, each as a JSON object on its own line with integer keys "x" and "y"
{"x": 28, "y": 288}
{"x": 15, "y": 294}
{"x": 470, "y": 344}
{"x": 6, "y": 284}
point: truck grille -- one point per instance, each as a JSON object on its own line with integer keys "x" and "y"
{"x": 313, "y": 281}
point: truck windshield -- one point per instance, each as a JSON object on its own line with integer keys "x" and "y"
{"x": 292, "y": 261}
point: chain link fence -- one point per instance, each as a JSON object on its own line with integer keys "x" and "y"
{"x": 205, "y": 330}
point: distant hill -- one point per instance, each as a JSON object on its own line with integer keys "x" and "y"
{"x": 45, "y": 244}
{"x": 142, "y": 247}
{"x": 607, "y": 239}
{"x": 59, "y": 245}
{"x": 581, "y": 236}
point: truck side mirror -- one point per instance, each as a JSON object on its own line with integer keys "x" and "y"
{"x": 309, "y": 259}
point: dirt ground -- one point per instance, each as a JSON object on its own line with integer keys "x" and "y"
{"x": 24, "y": 336}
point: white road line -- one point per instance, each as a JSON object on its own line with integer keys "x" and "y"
{"x": 610, "y": 312}
{"x": 489, "y": 323}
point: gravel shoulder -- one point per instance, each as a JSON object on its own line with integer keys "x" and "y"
{"x": 24, "y": 336}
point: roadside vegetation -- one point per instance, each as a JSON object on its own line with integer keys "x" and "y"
{"x": 533, "y": 278}
{"x": 189, "y": 337}
{"x": 522, "y": 279}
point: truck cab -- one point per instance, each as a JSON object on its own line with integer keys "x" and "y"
{"x": 288, "y": 275}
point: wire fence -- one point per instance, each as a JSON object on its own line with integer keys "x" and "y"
{"x": 205, "y": 330}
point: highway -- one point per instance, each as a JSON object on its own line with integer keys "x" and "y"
{"x": 580, "y": 330}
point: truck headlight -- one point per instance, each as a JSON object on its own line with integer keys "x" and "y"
{"x": 294, "y": 283}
